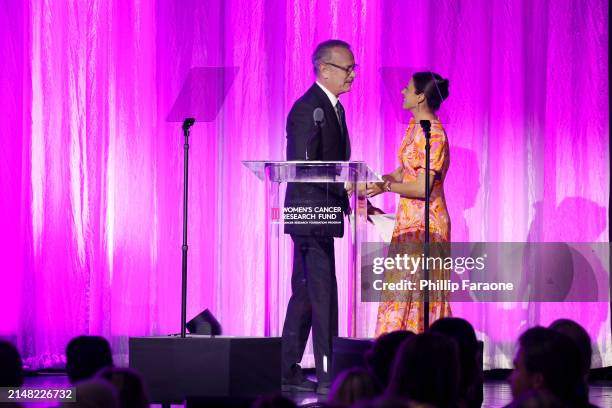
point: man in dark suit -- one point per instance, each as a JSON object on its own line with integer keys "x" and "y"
{"x": 316, "y": 130}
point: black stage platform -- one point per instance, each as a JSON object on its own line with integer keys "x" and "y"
{"x": 199, "y": 368}
{"x": 174, "y": 368}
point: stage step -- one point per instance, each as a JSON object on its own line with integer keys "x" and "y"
{"x": 175, "y": 368}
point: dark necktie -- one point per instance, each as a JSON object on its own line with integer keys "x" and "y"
{"x": 340, "y": 110}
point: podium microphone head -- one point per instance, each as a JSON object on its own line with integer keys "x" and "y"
{"x": 318, "y": 116}
{"x": 188, "y": 123}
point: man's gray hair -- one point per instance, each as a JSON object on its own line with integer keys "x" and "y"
{"x": 322, "y": 53}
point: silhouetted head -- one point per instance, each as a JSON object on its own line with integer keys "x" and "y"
{"x": 463, "y": 333}
{"x": 380, "y": 357}
{"x": 129, "y": 386}
{"x": 85, "y": 356}
{"x": 426, "y": 370}
{"x": 11, "y": 367}
{"x": 94, "y": 393}
{"x": 579, "y": 336}
{"x": 546, "y": 360}
{"x": 352, "y": 386}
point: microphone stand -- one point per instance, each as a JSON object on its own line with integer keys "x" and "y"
{"x": 186, "y": 125}
{"x": 426, "y": 126}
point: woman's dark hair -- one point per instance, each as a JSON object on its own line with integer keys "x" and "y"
{"x": 582, "y": 340}
{"x": 85, "y": 356}
{"x": 426, "y": 370}
{"x": 433, "y": 86}
{"x": 460, "y": 330}
{"x": 352, "y": 386}
{"x": 379, "y": 358}
{"x": 128, "y": 384}
{"x": 580, "y": 337}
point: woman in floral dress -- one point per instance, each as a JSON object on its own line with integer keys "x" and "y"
{"x": 423, "y": 96}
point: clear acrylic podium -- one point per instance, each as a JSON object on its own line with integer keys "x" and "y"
{"x": 277, "y": 244}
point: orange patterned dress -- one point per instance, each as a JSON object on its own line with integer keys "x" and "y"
{"x": 407, "y": 313}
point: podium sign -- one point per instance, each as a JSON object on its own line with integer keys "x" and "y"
{"x": 307, "y": 198}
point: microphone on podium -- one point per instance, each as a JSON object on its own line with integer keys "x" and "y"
{"x": 318, "y": 117}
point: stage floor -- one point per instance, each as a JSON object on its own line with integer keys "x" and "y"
{"x": 496, "y": 393}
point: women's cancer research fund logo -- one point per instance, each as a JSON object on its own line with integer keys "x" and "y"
{"x": 306, "y": 215}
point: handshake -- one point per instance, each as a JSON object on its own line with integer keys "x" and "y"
{"x": 369, "y": 189}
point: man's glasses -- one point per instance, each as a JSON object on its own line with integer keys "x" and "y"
{"x": 350, "y": 69}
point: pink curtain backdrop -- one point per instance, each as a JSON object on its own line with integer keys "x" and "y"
{"x": 91, "y": 172}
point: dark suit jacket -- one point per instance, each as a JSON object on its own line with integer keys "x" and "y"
{"x": 327, "y": 142}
